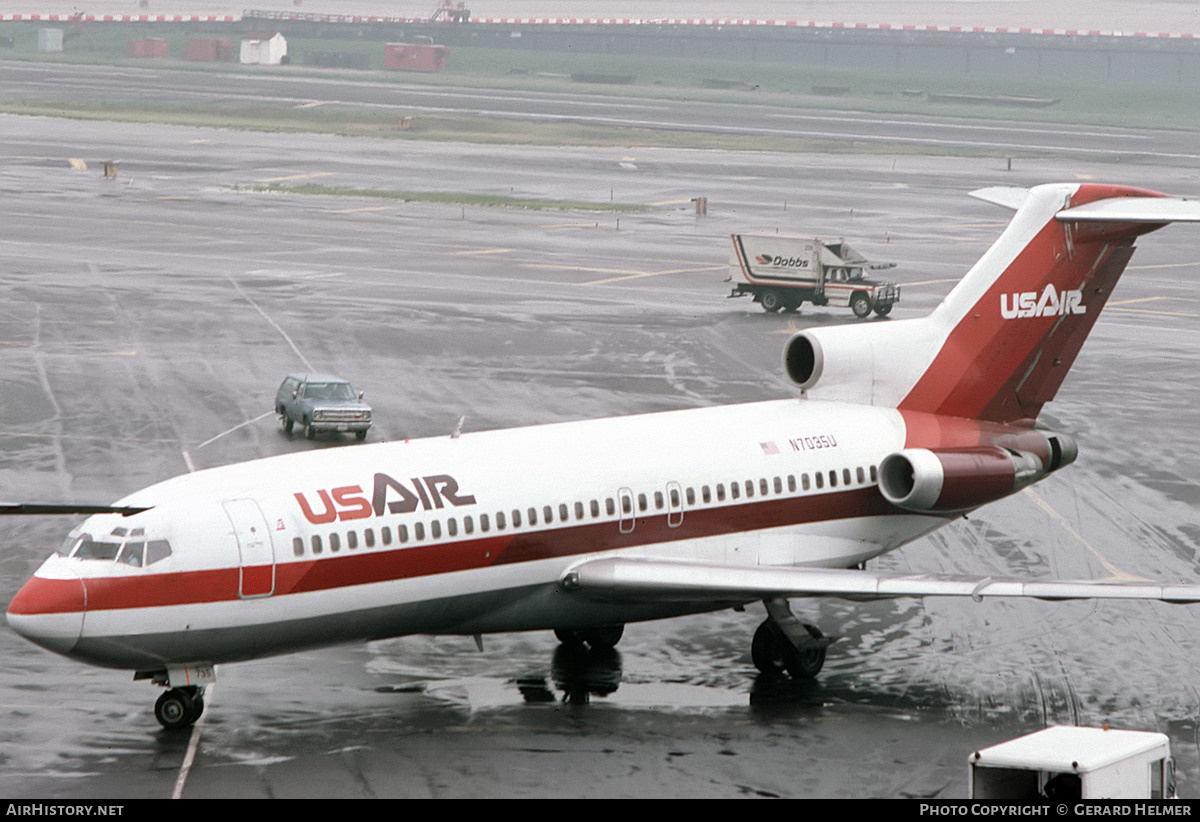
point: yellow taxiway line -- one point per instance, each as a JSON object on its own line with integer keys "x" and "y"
{"x": 310, "y": 176}
{"x": 1123, "y": 305}
{"x": 1117, "y": 573}
{"x": 622, "y": 274}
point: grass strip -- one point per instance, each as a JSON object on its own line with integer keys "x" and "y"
{"x": 456, "y": 198}
{"x": 461, "y": 128}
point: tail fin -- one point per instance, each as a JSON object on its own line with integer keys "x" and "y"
{"x": 999, "y": 345}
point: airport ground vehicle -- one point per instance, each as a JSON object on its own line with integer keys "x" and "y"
{"x": 783, "y": 272}
{"x": 1065, "y": 763}
{"x": 321, "y": 403}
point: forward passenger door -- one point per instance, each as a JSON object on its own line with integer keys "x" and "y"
{"x": 256, "y": 550}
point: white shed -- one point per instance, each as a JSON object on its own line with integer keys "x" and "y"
{"x": 263, "y": 49}
{"x": 50, "y": 40}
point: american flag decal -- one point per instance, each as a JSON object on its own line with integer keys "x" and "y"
{"x": 769, "y": 448}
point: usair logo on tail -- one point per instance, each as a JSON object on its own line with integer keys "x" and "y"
{"x": 1052, "y": 303}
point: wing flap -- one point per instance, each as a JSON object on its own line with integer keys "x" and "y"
{"x": 618, "y": 579}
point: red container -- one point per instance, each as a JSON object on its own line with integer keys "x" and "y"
{"x": 415, "y": 57}
{"x": 148, "y": 47}
{"x": 208, "y": 49}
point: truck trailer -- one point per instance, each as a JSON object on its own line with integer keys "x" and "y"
{"x": 1065, "y": 763}
{"x": 784, "y": 272}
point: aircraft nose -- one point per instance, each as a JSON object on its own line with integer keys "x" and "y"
{"x": 49, "y": 612}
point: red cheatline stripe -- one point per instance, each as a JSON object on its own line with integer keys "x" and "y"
{"x": 370, "y": 565}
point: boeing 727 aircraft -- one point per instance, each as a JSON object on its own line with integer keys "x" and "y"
{"x": 582, "y": 527}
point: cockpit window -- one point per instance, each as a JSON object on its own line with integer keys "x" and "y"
{"x": 92, "y": 549}
{"x": 132, "y": 554}
{"x": 157, "y": 549}
{"x": 135, "y": 552}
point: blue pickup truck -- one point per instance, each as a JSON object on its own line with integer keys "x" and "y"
{"x": 321, "y": 403}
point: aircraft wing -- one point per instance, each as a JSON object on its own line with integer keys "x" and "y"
{"x": 49, "y": 509}
{"x": 617, "y": 579}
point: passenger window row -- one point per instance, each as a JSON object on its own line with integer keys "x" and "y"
{"x": 819, "y": 481}
{"x": 471, "y": 525}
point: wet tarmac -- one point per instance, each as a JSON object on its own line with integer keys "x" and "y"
{"x": 145, "y": 322}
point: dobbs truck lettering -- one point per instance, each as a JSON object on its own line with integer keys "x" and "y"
{"x": 388, "y": 495}
{"x": 782, "y": 262}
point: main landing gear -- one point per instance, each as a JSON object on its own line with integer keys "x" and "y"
{"x": 784, "y": 645}
{"x": 599, "y": 639}
{"x": 179, "y": 707}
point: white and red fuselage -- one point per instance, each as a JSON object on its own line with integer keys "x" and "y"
{"x": 467, "y": 535}
{"x": 902, "y": 426}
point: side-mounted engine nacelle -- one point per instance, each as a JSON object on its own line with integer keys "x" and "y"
{"x": 804, "y": 359}
{"x": 948, "y": 480}
{"x": 845, "y": 359}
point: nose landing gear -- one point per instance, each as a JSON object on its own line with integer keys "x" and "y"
{"x": 183, "y": 701}
{"x": 179, "y": 707}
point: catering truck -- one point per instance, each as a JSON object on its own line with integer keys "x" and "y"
{"x": 784, "y": 272}
{"x": 1063, "y": 763}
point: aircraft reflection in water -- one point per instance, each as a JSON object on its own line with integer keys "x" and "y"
{"x": 582, "y": 527}
{"x": 578, "y": 672}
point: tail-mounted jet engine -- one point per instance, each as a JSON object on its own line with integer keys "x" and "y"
{"x": 804, "y": 359}
{"x": 947, "y": 480}
{"x": 981, "y": 461}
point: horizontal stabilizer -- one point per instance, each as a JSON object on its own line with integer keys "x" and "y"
{"x": 1123, "y": 209}
{"x": 638, "y": 579}
{"x": 1006, "y": 196}
{"x": 1134, "y": 210}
